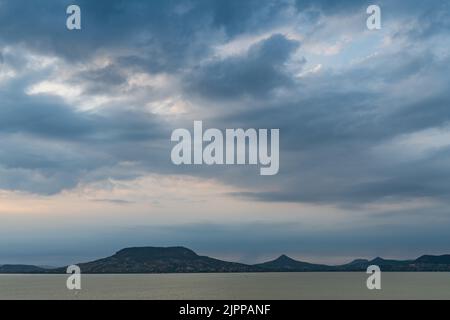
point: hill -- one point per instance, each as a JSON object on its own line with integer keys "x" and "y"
{"x": 184, "y": 260}
{"x": 161, "y": 260}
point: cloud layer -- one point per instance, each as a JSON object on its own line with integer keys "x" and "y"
{"x": 364, "y": 116}
{"x": 133, "y": 60}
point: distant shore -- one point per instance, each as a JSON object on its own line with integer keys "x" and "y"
{"x": 154, "y": 260}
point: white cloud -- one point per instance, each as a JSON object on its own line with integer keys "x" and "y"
{"x": 415, "y": 146}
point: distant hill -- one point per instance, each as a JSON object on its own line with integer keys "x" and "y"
{"x": 432, "y": 263}
{"x": 444, "y": 259}
{"x": 355, "y": 265}
{"x": 20, "y": 268}
{"x": 161, "y": 260}
{"x": 286, "y": 264}
{"x": 183, "y": 260}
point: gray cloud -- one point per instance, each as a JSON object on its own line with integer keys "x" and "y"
{"x": 329, "y": 121}
{"x": 47, "y": 146}
{"x": 330, "y": 129}
{"x": 255, "y": 74}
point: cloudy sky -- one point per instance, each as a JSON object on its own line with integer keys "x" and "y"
{"x": 86, "y": 118}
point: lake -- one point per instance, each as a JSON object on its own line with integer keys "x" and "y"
{"x": 235, "y": 286}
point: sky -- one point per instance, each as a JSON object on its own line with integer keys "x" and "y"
{"x": 86, "y": 118}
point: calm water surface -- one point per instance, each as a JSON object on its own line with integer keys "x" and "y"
{"x": 229, "y": 286}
